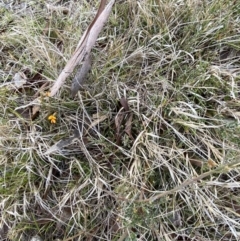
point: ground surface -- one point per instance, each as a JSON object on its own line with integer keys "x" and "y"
{"x": 155, "y": 153}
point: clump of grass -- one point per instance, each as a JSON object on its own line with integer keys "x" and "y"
{"x": 158, "y": 149}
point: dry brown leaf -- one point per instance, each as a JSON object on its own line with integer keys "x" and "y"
{"x": 196, "y": 162}
{"x": 128, "y": 126}
{"x": 122, "y": 114}
{"x": 118, "y": 122}
{"x": 124, "y": 103}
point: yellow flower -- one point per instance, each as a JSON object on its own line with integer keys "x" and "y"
{"x": 52, "y": 118}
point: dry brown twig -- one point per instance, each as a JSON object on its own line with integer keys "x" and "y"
{"x": 84, "y": 47}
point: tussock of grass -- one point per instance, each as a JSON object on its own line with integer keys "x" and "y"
{"x": 167, "y": 168}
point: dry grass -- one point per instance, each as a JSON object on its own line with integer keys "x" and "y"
{"x": 157, "y": 157}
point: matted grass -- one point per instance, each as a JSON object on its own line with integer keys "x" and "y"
{"x": 157, "y": 157}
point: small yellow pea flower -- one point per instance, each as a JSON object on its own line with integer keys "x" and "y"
{"x": 52, "y": 118}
